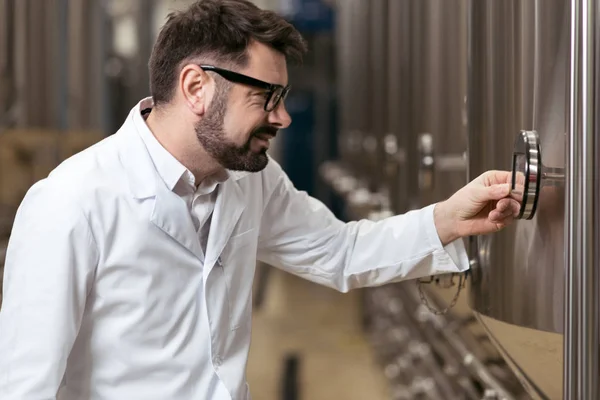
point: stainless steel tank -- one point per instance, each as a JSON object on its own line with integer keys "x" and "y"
{"x": 352, "y": 69}
{"x": 438, "y": 144}
{"x": 398, "y": 79}
{"x": 56, "y": 51}
{"x": 72, "y": 64}
{"x": 532, "y": 93}
{"x": 361, "y": 135}
{"x": 376, "y": 98}
{"x": 361, "y": 92}
{"x": 339, "y": 174}
{"x": 438, "y": 133}
{"x": 433, "y": 356}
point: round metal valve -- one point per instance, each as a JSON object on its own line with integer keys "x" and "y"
{"x": 526, "y": 168}
{"x": 529, "y": 174}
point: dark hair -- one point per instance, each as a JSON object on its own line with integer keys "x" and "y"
{"x": 219, "y": 31}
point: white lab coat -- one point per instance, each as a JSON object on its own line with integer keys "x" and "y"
{"x": 106, "y": 296}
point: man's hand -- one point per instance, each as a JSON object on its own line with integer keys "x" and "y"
{"x": 483, "y": 206}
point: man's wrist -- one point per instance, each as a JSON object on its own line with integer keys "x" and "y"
{"x": 445, "y": 224}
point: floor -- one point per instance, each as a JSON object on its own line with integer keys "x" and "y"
{"x": 323, "y": 327}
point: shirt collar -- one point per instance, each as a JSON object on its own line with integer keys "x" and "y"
{"x": 169, "y": 168}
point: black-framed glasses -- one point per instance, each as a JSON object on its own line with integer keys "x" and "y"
{"x": 275, "y": 93}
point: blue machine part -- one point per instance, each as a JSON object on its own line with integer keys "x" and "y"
{"x": 309, "y": 15}
{"x": 298, "y": 156}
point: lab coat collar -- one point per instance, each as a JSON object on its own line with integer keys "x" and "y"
{"x": 168, "y": 167}
{"x": 170, "y": 213}
{"x": 137, "y": 160}
{"x": 172, "y": 172}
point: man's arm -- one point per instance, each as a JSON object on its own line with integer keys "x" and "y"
{"x": 300, "y": 235}
{"x": 49, "y": 267}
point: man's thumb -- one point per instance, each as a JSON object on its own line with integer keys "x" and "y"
{"x": 497, "y": 192}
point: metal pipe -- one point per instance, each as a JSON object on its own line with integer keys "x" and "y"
{"x": 581, "y": 292}
{"x": 553, "y": 176}
{"x": 444, "y": 325}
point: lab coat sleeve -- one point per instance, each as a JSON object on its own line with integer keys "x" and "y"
{"x": 49, "y": 266}
{"x": 300, "y": 235}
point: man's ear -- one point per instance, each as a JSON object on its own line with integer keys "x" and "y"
{"x": 196, "y": 87}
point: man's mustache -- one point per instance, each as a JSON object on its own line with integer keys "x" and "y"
{"x": 265, "y": 130}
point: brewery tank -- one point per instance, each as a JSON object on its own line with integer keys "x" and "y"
{"x": 398, "y": 99}
{"x": 531, "y": 98}
{"x": 438, "y": 136}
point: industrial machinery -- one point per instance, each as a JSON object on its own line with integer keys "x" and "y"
{"x": 533, "y": 90}
{"x": 428, "y": 356}
{"x": 438, "y": 132}
{"x": 357, "y": 144}
{"x": 402, "y": 72}
{"x": 72, "y": 64}
{"x": 531, "y": 109}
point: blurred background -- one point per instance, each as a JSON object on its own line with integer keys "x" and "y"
{"x": 399, "y": 103}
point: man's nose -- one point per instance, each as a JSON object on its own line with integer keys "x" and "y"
{"x": 279, "y": 117}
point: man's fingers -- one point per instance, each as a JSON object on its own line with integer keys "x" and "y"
{"x": 496, "y": 216}
{"x": 495, "y": 192}
{"x": 495, "y": 177}
{"x": 503, "y": 205}
{"x": 519, "y": 179}
{"x": 515, "y": 207}
{"x": 508, "y": 207}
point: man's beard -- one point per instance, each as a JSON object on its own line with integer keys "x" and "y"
{"x": 210, "y": 134}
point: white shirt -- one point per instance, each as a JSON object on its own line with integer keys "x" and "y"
{"x": 108, "y": 293}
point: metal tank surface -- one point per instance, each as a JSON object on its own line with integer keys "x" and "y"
{"x": 67, "y": 92}
{"x": 349, "y": 175}
{"x": 402, "y": 139}
{"x": 438, "y": 139}
{"x": 93, "y": 55}
{"x": 531, "y": 109}
{"x": 397, "y": 140}
{"x": 438, "y": 134}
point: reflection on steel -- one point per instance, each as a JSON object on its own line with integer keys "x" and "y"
{"x": 444, "y": 281}
{"x": 535, "y": 284}
{"x": 517, "y": 82}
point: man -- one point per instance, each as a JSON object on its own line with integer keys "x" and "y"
{"x": 129, "y": 269}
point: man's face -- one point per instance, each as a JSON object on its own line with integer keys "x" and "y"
{"x": 236, "y": 129}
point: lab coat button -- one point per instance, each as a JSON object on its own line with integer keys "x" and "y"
{"x": 217, "y": 361}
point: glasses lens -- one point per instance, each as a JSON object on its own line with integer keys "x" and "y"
{"x": 275, "y": 98}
